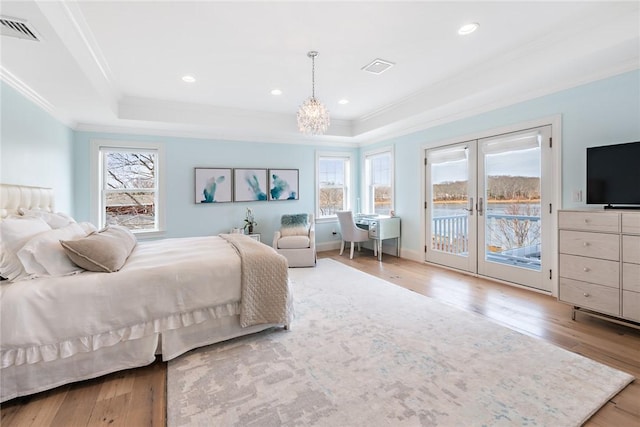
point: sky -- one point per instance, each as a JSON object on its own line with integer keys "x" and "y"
{"x": 514, "y": 163}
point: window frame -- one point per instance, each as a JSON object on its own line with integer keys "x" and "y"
{"x": 367, "y": 207}
{"x": 98, "y": 147}
{"x": 348, "y": 182}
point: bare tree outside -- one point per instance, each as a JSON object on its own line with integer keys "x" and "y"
{"x": 516, "y": 230}
{"x": 382, "y": 199}
{"x": 331, "y": 200}
{"x": 518, "y": 226}
{"x": 500, "y": 189}
{"x": 378, "y": 171}
{"x": 130, "y": 189}
{"x": 332, "y": 174}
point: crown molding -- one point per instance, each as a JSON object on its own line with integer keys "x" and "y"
{"x": 226, "y": 122}
{"x": 420, "y": 122}
{"x": 462, "y": 110}
{"x": 75, "y": 15}
{"x": 69, "y": 24}
{"x": 32, "y": 95}
{"x": 222, "y": 135}
{"x": 26, "y": 91}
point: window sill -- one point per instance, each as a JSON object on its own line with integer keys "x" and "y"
{"x": 327, "y": 219}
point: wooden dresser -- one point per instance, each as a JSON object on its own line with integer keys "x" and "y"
{"x": 600, "y": 262}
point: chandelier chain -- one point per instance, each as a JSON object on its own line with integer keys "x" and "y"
{"x": 313, "y": 76}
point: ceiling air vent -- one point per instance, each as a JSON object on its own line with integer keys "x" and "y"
{"x": 378, "y": 66}
{"x": 19, "y": 28}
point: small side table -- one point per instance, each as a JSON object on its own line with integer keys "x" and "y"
{"x": 255, "y": 236}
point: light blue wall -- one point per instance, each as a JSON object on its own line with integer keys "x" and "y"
{"x": 35, "y": 148}
{"x": 599, "y": 113}
{"x": 184, "y": 216}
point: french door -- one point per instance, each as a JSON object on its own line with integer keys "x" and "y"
{"x": 487, "y": 209}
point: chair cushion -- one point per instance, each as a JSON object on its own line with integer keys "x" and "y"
{"x": 294, "y": 242}
{"x": 294, "y": 225}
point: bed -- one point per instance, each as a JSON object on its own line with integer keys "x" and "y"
{"x": 169, "y": 296}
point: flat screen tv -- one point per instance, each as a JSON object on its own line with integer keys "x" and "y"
{"x": 613, "y": 175}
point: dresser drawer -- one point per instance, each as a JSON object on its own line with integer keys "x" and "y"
{"x": 589, "y": 221}
{"x": 631, "y": 249}
{"x": 631, "y": 305}
{"x": 594, "y": 245}
{"x": 631, "y": 223}
{"x": 631, "y": 277}
{"x": 587, "y": 295}
{"x": 602, "y": 272}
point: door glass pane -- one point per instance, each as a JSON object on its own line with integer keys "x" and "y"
{"x": 512, "y": 194}
{"x": 449, "y": 199}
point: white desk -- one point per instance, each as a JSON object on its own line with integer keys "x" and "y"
{"x": 380, "y": 228}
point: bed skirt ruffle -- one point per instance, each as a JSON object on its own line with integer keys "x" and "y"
{"x": 85, "y": 344}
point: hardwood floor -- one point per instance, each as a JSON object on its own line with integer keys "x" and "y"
{"x": 137, "y": 397}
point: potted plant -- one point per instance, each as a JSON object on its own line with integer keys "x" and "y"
{"x": 249, "y": 222}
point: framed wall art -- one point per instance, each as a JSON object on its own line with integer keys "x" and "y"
{"x": 250, "y": 185}
{"x": 213, "y": 185}
{"x": 283, "y": 184}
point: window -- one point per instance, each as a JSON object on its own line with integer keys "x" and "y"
{"x": 127, "y": 185}
{"x": 378, "y": 192}
{"x": 332, "y": 181}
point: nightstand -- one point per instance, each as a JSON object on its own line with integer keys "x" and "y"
{"x": 254, "y": 236}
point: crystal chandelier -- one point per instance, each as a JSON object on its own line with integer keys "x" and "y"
{"x": 313, "y": 117}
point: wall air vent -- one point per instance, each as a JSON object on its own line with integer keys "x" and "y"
{"x": 19, "y": 28}
{"x": 378, "y": 66}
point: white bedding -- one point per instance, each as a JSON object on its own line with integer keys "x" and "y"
{"x": 52, "y": 318}
{"x": 170, "y": 296}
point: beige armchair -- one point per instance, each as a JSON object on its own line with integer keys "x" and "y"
{"x": 296, "y": 240}
{"x": 350, "y": 232}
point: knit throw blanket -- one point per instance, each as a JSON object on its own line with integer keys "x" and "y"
{"x": 266, "y": 297}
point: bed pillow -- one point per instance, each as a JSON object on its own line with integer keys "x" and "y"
{"x": 44, "y": 256}
{"x": 105, "y": 251}
{"x": 88, "y": 227}
{"x": 15, "y": 232}
{"x": 55, "y": 220}
{"x": 294, "y": 225}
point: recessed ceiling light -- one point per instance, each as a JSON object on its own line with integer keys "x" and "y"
{"x": 188, "y": 79}
{"x": 468, "y": 28}
{"x": 276, "y": 92}
{"x": 343, "y": 101}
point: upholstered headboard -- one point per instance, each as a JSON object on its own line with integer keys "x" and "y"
{"x": 14, "y": 197}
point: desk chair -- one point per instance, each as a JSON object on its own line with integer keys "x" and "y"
{"x": 350, "y": 232}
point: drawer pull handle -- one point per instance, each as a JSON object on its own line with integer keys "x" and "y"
{"x": 586, "y": 221}
{"x": 586, "y": 269}
{"x": 586, "y": 294}
{"x": 585, "y": 244}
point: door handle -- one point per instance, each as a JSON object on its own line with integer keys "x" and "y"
{"x": 470, "y": 208}
{"x": 480, "y": 208}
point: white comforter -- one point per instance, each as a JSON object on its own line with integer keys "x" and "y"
{"x": 164, "y": 285}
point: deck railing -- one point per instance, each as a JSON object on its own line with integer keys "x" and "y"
{"x": 450, "y": 234}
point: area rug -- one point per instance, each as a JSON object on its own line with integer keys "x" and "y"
{"x": 365, "y": 352}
